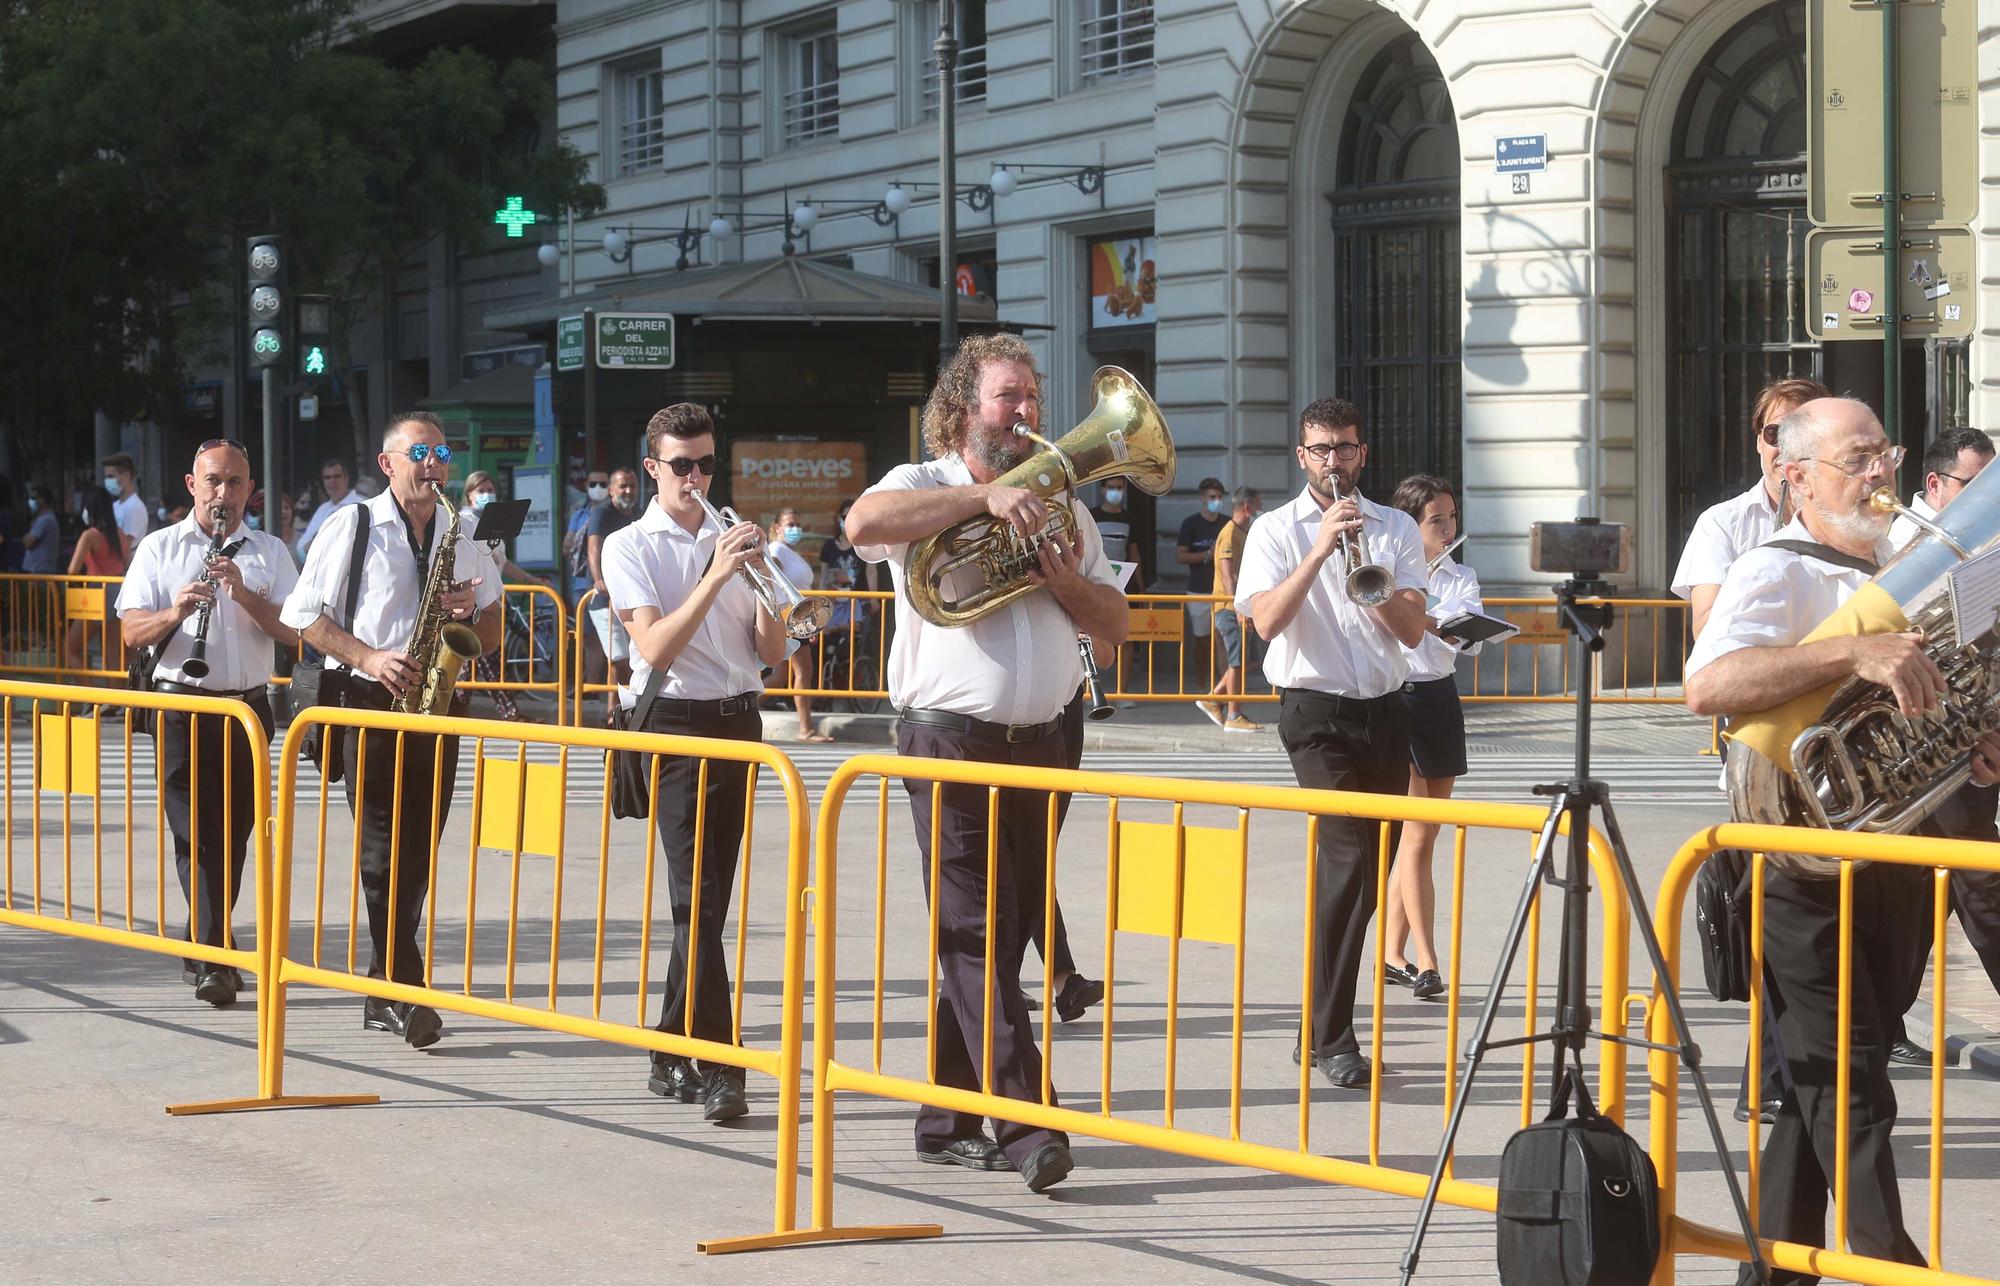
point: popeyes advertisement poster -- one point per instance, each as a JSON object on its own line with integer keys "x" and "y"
{"x": 811, "y": 477}
{"x": 1123, "y": 281}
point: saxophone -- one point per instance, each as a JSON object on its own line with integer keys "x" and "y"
{"x": 439, "y": 646}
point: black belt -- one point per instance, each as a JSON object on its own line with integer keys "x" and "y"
{"x": 741, "y": 703}
{"x": 1010, "y": 732}
{"x": 1334, "y": 700}
{"x": 173, "y": 689}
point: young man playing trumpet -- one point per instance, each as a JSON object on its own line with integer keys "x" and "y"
{"x": 675, "y": 581}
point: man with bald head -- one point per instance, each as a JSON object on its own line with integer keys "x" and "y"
{"x": 1752, "y": 657}
{"x": 167, "y": 591}
{"x": 393, "y": 541}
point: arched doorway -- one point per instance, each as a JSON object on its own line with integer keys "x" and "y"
{"x": 1736, "y": 226}
{"x": 1396, "y": 297}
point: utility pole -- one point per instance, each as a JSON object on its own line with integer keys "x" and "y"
{"x": 947, "y": 61}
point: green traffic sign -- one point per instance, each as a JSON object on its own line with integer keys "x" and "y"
{"x": 569, "y": 343}
{"x": 635, "y": 341}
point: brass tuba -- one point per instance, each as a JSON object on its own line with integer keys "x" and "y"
{"x": 440, "y": 647}
{"x": 1124, "y": 435}
{"x": 1861, "y": 765}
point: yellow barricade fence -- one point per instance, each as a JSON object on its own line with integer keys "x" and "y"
{"x": 60, "y": 627}
{"x": 97, "y": 770}
{"x": 533, "y": 656}
{"x": 1683, "y": 1236}
{"x": 518, "y": 811}
{"x": 1166, "y": 879}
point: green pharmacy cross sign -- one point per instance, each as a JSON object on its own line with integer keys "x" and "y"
{"x": 514, "y": 216}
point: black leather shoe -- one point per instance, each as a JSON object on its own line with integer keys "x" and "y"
{"x": 674, "y": 1077}
{"x": 1047, "y": 1166}
{"x": 216, "y": 986}
{"x": 1343, "y": 1071}
{"x": 379, "y": 1015}
{"x": 722, "y": 1099}
{"x": 975, "y": 1153}
{"x": 1908, "y": 1051}
{"x": 1398, "y": 975}
{"x": 422, "y": 1027}
{"x": 1767, "y": 1111}
{"x": 1427, "y": 985}
{"x": 1077, "y": 995}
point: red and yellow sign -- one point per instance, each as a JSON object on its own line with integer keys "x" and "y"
{"x": 1159, "y": 624}
{"x": 814, "y": 478}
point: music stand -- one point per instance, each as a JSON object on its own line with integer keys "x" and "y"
{"x": 500, "y": 520}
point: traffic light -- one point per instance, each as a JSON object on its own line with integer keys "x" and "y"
{"x": 315, "y": 336}
{"x": 267, "y": 300}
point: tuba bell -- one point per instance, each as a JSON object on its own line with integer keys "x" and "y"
{"x": 1124, "y": 435}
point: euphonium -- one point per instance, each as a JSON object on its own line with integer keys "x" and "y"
{"x": 1861, "y": 765}
{"x": 1124, "y": 435}
{"x": 800, "y": 616}
{"x": 439, "y": 646}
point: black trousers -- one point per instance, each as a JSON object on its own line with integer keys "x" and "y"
{"x": 1890, "y": 926}
{"x": 209, "y": 839}
{"x": 1340, "y": 743}
{"x": 1975, "y": 895}
{"x": 397, "y": 850}
{"x": 721, "y": 808}
{"x": 961, "y": 914}
{"x": 1072, "y": 736}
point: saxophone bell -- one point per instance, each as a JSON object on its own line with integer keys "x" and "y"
{"x": 440, "y": 646}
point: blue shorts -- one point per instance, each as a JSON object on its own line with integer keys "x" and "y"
{"x": 1229, "y": 628}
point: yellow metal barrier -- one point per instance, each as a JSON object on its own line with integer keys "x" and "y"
{"x": 534, "y": 641}
{"x": 1189, "y": 885}
{"x": 1683, "y": 1236}
{"x": 1641, "y": 664}
{"x": 518, "y": 808}
{"x": 60, "y": 627}
{"x": 76, "y": 756}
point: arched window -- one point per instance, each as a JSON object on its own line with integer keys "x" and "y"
{"x": 1396, "y": 297}
{"x": 1736, "y": 224}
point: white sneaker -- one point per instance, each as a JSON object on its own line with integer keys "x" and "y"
{"x": 1212, "y": 709}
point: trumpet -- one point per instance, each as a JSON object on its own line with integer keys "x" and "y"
{"x": 800, "y": 616}
{"x": 1435, "y": 563}
{"x": 1367, "y": 584}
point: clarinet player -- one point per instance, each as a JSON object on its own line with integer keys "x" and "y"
{"x": 180, "y": 578}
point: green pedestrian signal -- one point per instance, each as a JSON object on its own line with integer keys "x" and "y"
{"x": 315, "y": 360}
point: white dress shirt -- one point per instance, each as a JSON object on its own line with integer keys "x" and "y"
{"x": 788, "y": 560}
{"x": 392, "y": 581}
{"x": 1454, "y": 588}
{"x": 1774, "y": 598}
{"x": 1015, "y": 665}
{"x": 1723, "y": 534}
{"x": 1332, "y": 645}
{"x": 321, "y": 514}
{"x": 655, "y": 562}
{"x": 130, "y": 511}
{"x": 1903, "y": 531}
{"x": 238, "y": 653}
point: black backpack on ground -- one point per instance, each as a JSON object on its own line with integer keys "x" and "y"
{"x": 1579, "y": 1200}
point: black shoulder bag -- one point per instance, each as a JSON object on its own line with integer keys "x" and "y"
{"x": 1579, "y": 1201}
{"x": 315, "y": 683}
{"x": 631, "y": 787}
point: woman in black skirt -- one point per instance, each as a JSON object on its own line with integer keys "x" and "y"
{"x": 1437, "y": 737}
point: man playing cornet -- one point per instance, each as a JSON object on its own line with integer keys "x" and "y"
{"x": 992, "y": 691}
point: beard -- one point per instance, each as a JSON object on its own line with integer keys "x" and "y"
{"x": 1863, "y": 523}
{"x": 1329, "y": 487}
{"x": 998, "y": 451}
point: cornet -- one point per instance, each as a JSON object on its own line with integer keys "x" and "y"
{"x": 800, "y": 616}
{"x": 1368, "y": 584}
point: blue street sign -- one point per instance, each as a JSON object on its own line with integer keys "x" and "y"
{"x": 1521, "y": 154}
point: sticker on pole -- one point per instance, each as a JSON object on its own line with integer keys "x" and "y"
{"x": 1859, "y": 301}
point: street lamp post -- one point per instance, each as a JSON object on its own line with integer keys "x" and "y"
{"x": 947, "y": 61}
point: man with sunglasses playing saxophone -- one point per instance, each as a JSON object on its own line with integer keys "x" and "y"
{"x": 676, "y": 583}
{"x": 401, "y": 532}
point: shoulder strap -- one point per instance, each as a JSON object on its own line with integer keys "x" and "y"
{"x": 1825, "y": 553}
{"x": 354, "y": 564}
{"x": 644, "y": 705}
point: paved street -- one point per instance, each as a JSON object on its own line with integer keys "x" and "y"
{"x": 528, "y": 1155}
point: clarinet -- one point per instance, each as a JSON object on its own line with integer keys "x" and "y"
{"x": 196, "y": 665}
{"x": 1099, "y": 707}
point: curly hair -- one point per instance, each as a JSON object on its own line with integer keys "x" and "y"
{"x": 957, "y": 389}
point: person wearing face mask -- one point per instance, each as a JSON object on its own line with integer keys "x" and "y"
{"x": 782, "y": 551}
{"x": 42, "y": 544}
{"x": 480, "y": 491}
{"x": 1195, "y": 550}
{"x": 121, "y": 479}
{"x": 1340, "y": 668}
{"x": 619, "y": 511}
{"x": 596, "y": 495}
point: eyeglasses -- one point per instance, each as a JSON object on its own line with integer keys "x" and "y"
{"x": 213, "y": 443}
{"x": 1860, "y": 466}
{"x": 1769, "y": 433}
{"x": 683, "y": 465}
{"x": 1955, "y": 478}
{"x": 418, "y": 452}
{"x": 1321, "y": 450}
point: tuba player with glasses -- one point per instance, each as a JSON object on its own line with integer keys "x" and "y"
{"x": 992, "y": 689}
{"x": 1759, "y": 652}
{"x": 700, "y": 641}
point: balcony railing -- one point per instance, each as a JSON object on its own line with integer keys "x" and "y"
{"x": 812, "y": 112}
{"x": 642, "y": 144}
{"x": 971, "y": 78}
{"x": 1119, "y": 39}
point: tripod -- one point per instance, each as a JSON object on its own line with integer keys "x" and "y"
{"x": 1573, "y": 800}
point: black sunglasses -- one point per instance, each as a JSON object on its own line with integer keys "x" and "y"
{"x": 685, "y": 464}
{"x": 1770, "y": 434}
